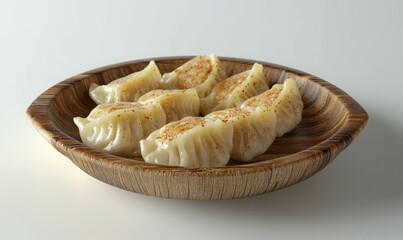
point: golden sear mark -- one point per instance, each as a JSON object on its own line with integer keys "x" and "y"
{"x": 194, "y": 72}
{"x": 104, "y": 109}
{"x": 226, "y": 114}
{"x": 173, "y": 130}
{"x": 265, "y": 99}
{"x": 222, "y": 89}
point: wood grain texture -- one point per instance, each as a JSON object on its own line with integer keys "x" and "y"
{"x": 331, "y": 120}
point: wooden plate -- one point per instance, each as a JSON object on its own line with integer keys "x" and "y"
{"x": 331, "y": 120}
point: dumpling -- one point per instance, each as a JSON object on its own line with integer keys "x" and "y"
{"x": 254, "y": 131}
{"x": 177, "y": 104}
{"x": 193, "y": 142}
{"x": 286, "y": 102}
{"x": 117, "y": 128}
{"x": 129, "y": 88}
{"x": 233, "y": 91}
{"x": 202, "y": 73}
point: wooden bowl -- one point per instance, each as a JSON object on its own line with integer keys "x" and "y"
{"x": 331, "y": 120}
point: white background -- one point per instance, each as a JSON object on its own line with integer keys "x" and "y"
{"x": 356, "y": 45}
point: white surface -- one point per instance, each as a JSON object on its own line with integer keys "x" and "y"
{"x": 356, "y": 45}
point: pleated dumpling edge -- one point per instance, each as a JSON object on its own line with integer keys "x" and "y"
{"x": 286, "y": 101}
{"x": 128, "y": 88}
{"x": 177, "y": 103}
{"x": 202, "y": 72}
{"x": 117, "y": 128}
{"x": 192, "y": 142}
{"x": 233, "y": 91}
{"x": 254, "y": 131}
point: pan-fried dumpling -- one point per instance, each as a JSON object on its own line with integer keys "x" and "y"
{"x": 286, "y": 102}
{"x": 128, "y": 88}
{"x": 193, "y": 142}
{"x": 233, "y": 91}
{"x": 202, "y": 73}
{"x": 177, "y": 104}
{"x": 254, "y": 131}
{"x": 117, "y": 128}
